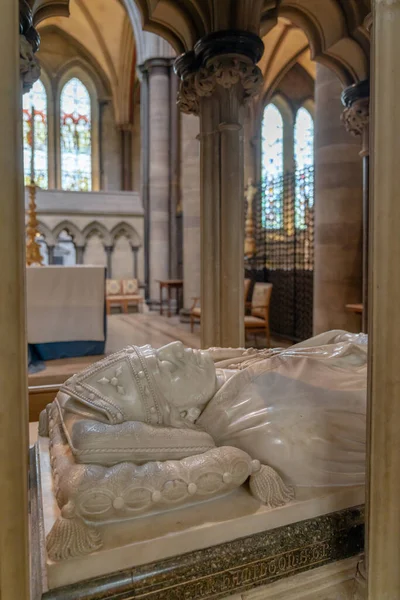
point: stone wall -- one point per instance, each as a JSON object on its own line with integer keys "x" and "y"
{"x": 106, "y": 228}
{"x": 338, "y": 211}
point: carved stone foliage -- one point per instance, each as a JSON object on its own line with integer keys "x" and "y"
{"x": 29, "y": 68}
{"x": 29, "y": 44}
{"x": 224, "y": 72}
{"x": 356, "y": 117}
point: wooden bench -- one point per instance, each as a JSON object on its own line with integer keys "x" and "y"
{"x": 123, "y": 293}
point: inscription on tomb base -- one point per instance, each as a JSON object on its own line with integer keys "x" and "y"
{"x": 254, "y": 561}
{"x": 260, "y": 572}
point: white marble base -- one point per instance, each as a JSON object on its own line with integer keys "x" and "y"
{"x": 331, "y": 582}
{"x": 156, "y": 537}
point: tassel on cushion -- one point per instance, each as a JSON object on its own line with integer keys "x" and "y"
{"x": 70, "y": 536}
{"x": 268, "y": 487}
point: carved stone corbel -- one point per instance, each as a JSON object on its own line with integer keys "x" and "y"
{"x": 355, "y": 116}
{"x": 29, "y": 44}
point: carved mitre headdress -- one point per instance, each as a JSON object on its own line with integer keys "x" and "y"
{"x": 118, "y": 388}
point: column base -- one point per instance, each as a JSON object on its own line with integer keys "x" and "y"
{"x": 360, "y": 582}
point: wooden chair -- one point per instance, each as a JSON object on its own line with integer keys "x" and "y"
{"x": 258, "y": 320}
{"x": 195, "y": 311}
{"x": 122, "y": 293}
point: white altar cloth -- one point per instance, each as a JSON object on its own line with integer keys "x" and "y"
{"x": 65, "y": 304}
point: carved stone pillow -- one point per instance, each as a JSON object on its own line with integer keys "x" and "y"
{"x": 130, "y": 286}
{"x": 92, "y": 442}
{"x": 113, "y": 287}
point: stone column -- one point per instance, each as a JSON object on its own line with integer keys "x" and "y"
{"x": 109, "y": 250}
{"x": 175, "y": 217}
{"x": 50, "y": 253}
{"x": 18, "y": 41}
{"x": 190, "y": 191}
{"x": 145, "y": 168}
{"x": 217, "y": 78}
{"x": 338, "y": 211}
{"x": 158, "y": 212}
{"x": 135, "y": 250}
{"x": 383, "y": 531}
{"x": 250, "y": 144}
{"x": 356, "y": 120}
{"x": 126, "y": 156}
{"x": 80, "y": 251}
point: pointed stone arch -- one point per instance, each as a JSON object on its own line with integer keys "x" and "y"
{"x": 73, "y": 231}
{"x": 336, "y": 34}
{"x": 96, "y": 228}
{"x": 47, "y": 234}
{"x": 127, "y": 230}
{"x": 335, "y": 29}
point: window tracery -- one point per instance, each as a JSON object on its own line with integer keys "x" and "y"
{"x": 35, "y": 106}
{"x": 76, "y": 137}
{"x": 282, "y": 147}
{"x": 272, "y": 167}
{"x": 304, "y": 161}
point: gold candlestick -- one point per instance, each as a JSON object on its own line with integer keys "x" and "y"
{"x": 249, "y": 241}
{"x": 33, "y": 255}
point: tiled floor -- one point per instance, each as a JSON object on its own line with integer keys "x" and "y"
{"x": 124, "y": 330}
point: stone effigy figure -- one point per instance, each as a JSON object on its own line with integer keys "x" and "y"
{"x": 177, "y": 424}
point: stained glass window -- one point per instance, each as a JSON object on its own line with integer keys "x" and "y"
{"x": 36, "y": 101}
{"x": 76, "y": 137}
{"x": 304, "y": 159}
{"x": 272, "y": 167}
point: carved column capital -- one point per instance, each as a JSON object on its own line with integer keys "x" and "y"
{"x": 224, "y": 61}
{"x": 355, "y": 116}
{"x": 29, "y": 44}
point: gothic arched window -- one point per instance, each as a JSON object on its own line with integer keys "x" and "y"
{"x": 76, "y": 137}
{"x": 304, "y": 160}
{"x": 272, "y": 167}
{"x": 35, "y": 103}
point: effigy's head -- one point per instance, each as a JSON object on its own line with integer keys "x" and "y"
{"x": 156, "y": 386}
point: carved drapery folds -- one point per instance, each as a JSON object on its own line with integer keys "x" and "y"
{"x": 223, "y": 59}
{"x": 29, "y": 44}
